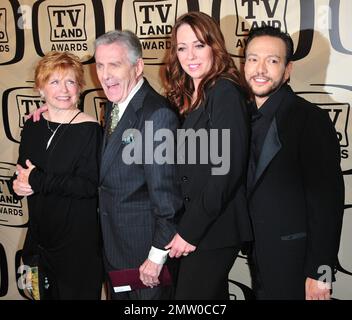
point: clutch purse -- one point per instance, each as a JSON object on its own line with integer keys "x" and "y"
{"x": 38, "y": 281}
{"x": 128, "y": 279}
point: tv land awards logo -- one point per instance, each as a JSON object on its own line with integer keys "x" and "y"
{"x": 271, "y": 13}
{"x": 154, "y": 21}
{"x": 67, "y": 27}
{"x": 11, "y": 35}
{"x": 94, "y": 102}
{"x": 238, "y": 17}
{"x": 339, "y": 112}
{"x": 3, "y": 30}
{"x": 25, "y": 105}
{"x": 13, "y": 212}
{"x": 67, "y": 23}
{"x": 61, "y": 27}
{"x": 99, "y": 104}
{"x": 17, "y": 103}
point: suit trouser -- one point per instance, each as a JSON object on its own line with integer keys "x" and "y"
{"x": 203, "y": 274}
{"x": 280, "y": 287}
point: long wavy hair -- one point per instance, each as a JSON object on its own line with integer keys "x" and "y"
{"x": 178, "y": 84}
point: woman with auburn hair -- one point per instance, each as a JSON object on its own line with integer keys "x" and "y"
{"x": 57, "y": 170}
{"x": 203, "y": 83}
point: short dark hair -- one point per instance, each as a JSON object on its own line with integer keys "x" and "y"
{"x": 272, "y": 32}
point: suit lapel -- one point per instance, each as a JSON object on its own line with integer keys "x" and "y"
{"x": 190, "y": 122}
{"x": 271, "y": 147}
{"x": 114, "y": 143}
{"x": 128, "y": 120}
{"x": 273, "y": 143}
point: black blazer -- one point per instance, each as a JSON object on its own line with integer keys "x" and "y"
{"x": 297, "y": 198}
{"x": 215, "y": 205}
{"x": 138, "y": 201}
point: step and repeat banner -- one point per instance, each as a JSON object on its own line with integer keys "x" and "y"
{"x": 321, "y": 30}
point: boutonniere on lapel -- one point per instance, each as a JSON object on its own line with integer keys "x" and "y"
{"x": 127, "y": 139}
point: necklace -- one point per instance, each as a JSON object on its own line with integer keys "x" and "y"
{"x": 52, "y": 132}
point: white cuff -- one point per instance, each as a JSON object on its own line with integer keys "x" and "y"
{"x": 157, "y": 255}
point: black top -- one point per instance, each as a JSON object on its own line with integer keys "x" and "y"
{"x": 215, "y": 203}
{"x": 63, "y": 219}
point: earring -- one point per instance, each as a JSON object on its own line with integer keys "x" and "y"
{"x": 42, "y": 94}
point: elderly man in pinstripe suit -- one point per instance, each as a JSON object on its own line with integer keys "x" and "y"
{"x": 138, "y": 201}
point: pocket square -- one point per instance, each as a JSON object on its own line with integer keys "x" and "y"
{"x": 128, "y": 139}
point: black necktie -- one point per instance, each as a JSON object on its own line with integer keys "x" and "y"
{"x": 252, "y": 165}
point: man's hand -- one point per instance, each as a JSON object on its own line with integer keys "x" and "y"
{"x": 21, "y": 185}
{"x": 317, "y": 290}
{"x": 149, "y": 273}
{"x": 179, "y": 247}
{"x": 36, "y": 114}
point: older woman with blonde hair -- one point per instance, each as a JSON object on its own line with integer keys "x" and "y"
{"x": 58, "y": 173}
{"x": 203, "y": 83}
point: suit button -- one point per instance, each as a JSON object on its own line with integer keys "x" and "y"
{"x": 187, "y": 199}
{"x": 184, "y": 178}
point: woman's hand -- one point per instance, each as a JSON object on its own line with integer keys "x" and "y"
{"x": 21, "y": 185}
{"x": 179, "y": 247}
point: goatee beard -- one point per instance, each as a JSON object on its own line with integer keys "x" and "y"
{"x": 276, "y": 87}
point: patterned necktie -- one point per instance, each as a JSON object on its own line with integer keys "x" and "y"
{"x": 114, "y": 118}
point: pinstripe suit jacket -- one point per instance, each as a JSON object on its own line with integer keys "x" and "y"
{"x": 138, "y": 201}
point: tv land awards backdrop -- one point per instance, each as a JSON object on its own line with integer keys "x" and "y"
{"x": 321, "y": 30}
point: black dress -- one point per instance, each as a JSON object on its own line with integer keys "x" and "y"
{"x": 63, "y": 220}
